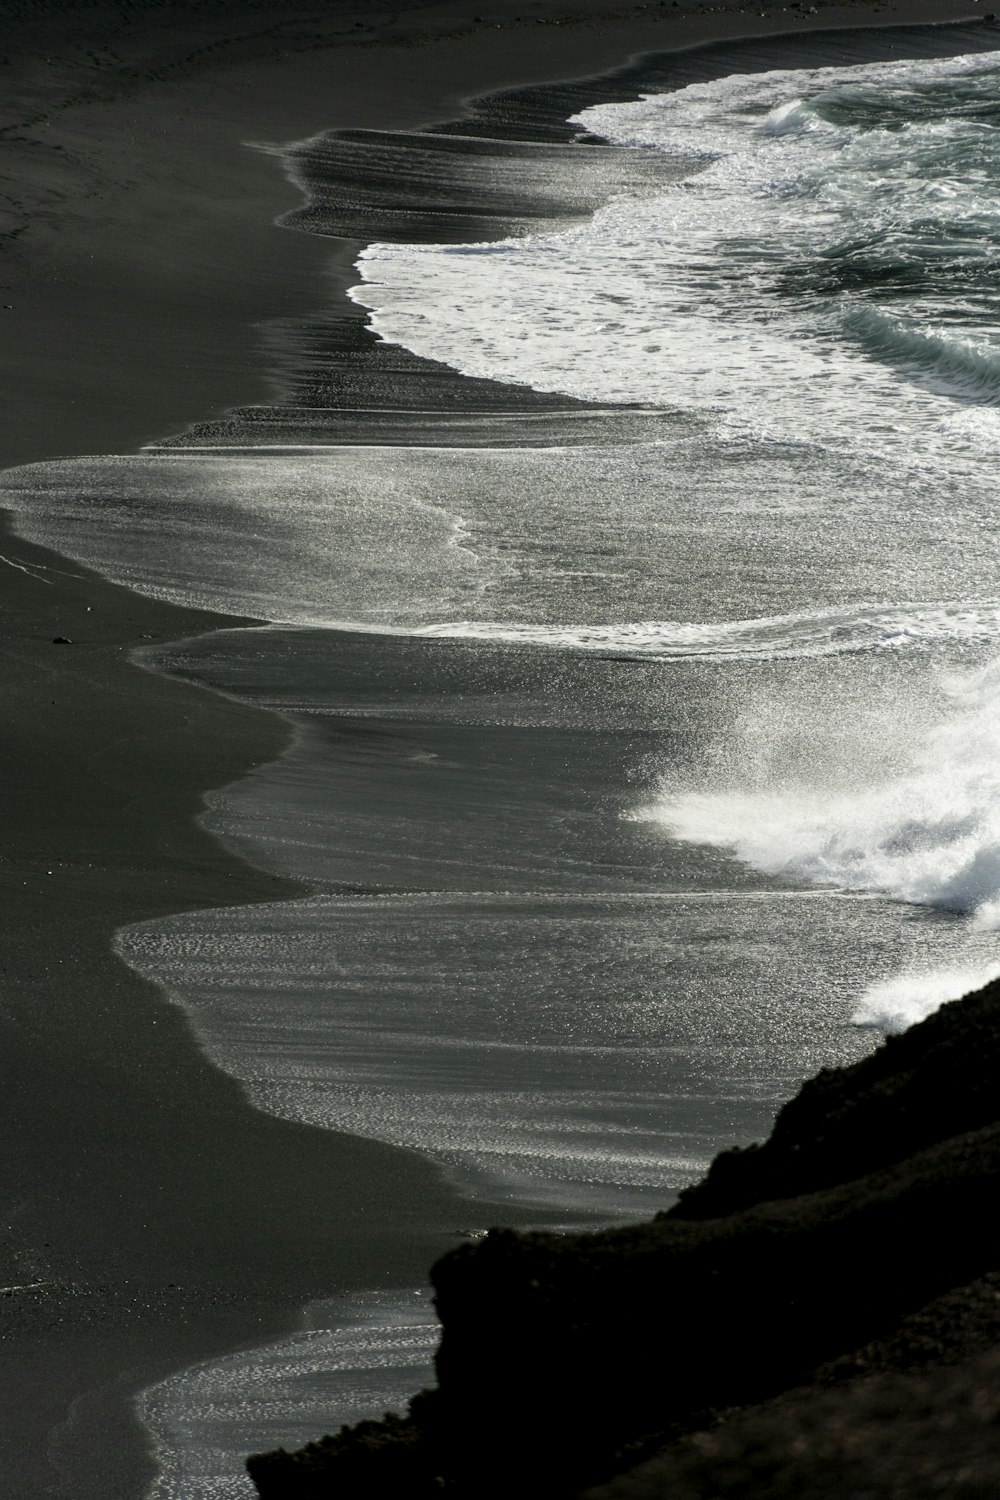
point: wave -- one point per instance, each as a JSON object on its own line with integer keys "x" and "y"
{"x": 926, "y": 832}
{"x": 811, "y": 634}
{"x": 827, "y": 264}
{"x": 894, "y": 1004}
{"x": 952, "y": 365}
{"x": 623, "y": 550}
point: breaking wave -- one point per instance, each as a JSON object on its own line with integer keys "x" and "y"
{"x": 892, "y": 1005}
{"x": 928, "y": 832}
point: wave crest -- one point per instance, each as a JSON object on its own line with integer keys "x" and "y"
{"x": 950, "y": 365}
{"x": 928, "y": 833}
{"x": 811, "y": 634}
{"x": 894, "y": 1004}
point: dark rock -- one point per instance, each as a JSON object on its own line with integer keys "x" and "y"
{"x": 731, "y": 1311}
{"x": 920, "y": 1436}
{"x": 951, "y": 1328}
{"x": 840, "y": 1273}
{"x": 61, "y": 640}
{"x": 936, "y": 1080}
{"x": 375, "y": 1459}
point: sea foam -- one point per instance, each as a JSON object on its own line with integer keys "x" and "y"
{"x": 892, "y": 1005}
{"x": 927, "y": 832}
{"x": 832, "y": 245}
{"x": 809, "y": 635}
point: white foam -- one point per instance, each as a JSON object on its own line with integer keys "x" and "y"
{"x": 926, "y": 832}
{"x": 892, "y": 1005}
{"x": 808, "y": 635}
{"x": 694, "y": 297}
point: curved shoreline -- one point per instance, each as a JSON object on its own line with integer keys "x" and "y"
{"x": 132, "y": 1249}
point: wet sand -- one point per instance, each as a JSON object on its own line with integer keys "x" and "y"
{"x": 151, "y": 1217}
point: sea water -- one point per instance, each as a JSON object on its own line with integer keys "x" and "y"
{"x": 644, "y": 679}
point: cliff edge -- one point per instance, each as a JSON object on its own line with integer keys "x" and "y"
{"x": 819, "y": 1317}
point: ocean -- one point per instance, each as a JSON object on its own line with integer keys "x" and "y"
{"x": 624, "y": 552}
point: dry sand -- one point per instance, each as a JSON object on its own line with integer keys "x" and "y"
{"x": 150, "y": 1218}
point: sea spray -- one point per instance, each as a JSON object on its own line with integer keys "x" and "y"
{"x": 892, "y": 1005}
{"x": 917, "y": 819}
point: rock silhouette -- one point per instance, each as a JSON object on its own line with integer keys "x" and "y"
{"x": 821, "y": 1310}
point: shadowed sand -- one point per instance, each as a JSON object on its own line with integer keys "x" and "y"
{"x": 151, "y": 1219}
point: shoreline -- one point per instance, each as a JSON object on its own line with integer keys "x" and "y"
{"x": 120, "y": 1156}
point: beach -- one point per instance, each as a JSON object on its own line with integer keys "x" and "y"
{"x": 154, "y": 1218}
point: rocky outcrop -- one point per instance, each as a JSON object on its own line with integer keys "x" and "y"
{"x": 913, "y": 1436}
{"x": 808, "y": 1290}
{"x": 937, "y": 1080}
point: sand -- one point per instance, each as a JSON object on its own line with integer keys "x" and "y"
{"x": 151, "y": 1219}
